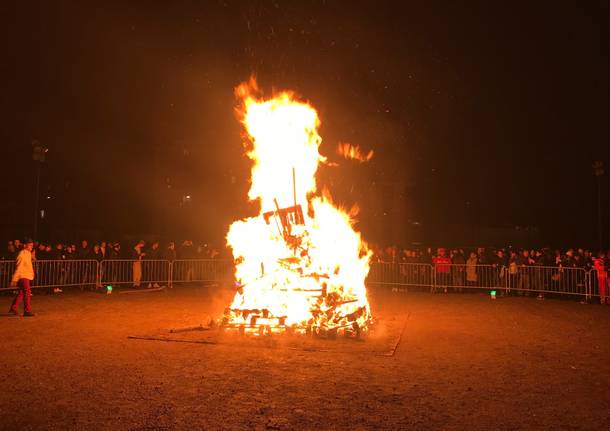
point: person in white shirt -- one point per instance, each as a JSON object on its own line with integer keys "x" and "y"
{"x": 23, "y": 275}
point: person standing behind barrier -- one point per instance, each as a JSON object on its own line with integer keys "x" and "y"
{"x": 499, "y": 267}
{"x": 579, "y": 273}
{"x": 600, "y": 266}
{"x": 187, "y": 252}
{"x": 588, "y": 258}
{"x": 84, "y": 253}
{"x": 152, "y": 269}
{"x": 102, "y": 276}
{"x": 568, "y": 283}
{"x": 442, "y": 266}
{"x": 170, "y": 253}
{"x": 524, "y": 263}
{"x": 568, "y": 259}
{"x": 538, "y": 279}
{"x": 59, "y": 266}
{"x": 482, "y": 256}
{"x": 70, "y": 257}
{"x": 104, "y": 250}
{"x": 170, "y": 256}
{"x": 114, "y": 253}
{"x": 426, "y": 257}
{"x": 471, "y": 269}
{"x": 96, "y": 254}
{"x": 11, "y": 251}
{"x": 41, "y": 253}
{"x": 137, "y": 256}
{"x": 458, "y": 269}
{"x": 23, "y": 275}
{"x": 513, "y": 271}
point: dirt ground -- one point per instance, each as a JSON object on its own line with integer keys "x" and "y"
{"x": 464, "y": 362}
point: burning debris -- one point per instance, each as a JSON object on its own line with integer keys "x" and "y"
{"x": 299, "y": 268}
{"x": 352, "y": 152}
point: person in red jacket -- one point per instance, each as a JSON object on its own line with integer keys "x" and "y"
{"x": 23, "y": 275}
{"x": 599, "y": 265}
{"x": 442, "y": 268}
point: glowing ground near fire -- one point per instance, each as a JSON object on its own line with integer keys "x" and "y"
{"x": 465, "y": 362}
{"x": 299, "y": 264}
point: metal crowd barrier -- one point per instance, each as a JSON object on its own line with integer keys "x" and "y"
{"x": 454, "y": 277}
{"x": 201, "y": 270}
{"x": 599, "y": 284}
{"x": 65, "y": 273}
{"x": 401, "y": 274}
{"x": 136, "y": 273}
{"x": 459, "y": 277}
{"x": 7, "y": 268}
{"x": 54, "y": 273}
{"x": 464, "y": 276}
{"x": 545, "y": 279}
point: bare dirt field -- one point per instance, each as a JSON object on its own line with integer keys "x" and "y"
{"x": 464, "y": 362}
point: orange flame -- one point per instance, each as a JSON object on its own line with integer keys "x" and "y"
{"x": 353, "y": 152}
{"x": 299, "y": 263}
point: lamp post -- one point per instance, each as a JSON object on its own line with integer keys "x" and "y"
{"x": 39, "y": 154}
{"x": 598, "y": 170}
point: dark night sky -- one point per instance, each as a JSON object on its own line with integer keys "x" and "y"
{"x": 484, "y": 114}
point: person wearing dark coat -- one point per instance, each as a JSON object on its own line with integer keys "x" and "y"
{"x": 152, "y": 271}
{"x": 170, "y": 252}
{"x": 84, "y": 251}
{"x": 187, "y": 251}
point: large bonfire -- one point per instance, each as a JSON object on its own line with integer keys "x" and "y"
{"x": 299, "y": 264}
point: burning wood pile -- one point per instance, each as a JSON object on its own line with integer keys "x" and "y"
{"x": 299, "y": 268}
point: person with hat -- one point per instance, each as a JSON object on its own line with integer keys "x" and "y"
{"x": 23, "y": 275}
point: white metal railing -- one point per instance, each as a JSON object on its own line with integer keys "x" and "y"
{"x": 135, "y": 272}
{"x": 507, "y": 279}
{"x": 201, "y": 270}
{"x": 95, "y": 274}
{"x": 511, "y": 278}
{"x": 401, "y": 274}
{"x": 54, "y": 273}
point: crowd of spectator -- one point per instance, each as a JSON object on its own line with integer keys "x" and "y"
{"x": 69, "y": 264}
{"x": 154, "y": 250}
{"x": 107, "y": 250}
{"x": 578, "y": 258}
{"x": 520, "y": 270}
{"x": 454, "y": 269}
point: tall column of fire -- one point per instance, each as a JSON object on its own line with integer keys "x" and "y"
{"x": 299, "y": 263}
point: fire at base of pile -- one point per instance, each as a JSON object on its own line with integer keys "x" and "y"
{"x": 262, "y": 322}
{"x": 326, "y": 306}
{"x": 299, "y": 298}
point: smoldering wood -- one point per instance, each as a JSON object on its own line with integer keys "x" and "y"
{"x": 190, "y": 328}
{"x": 172, "y": 340}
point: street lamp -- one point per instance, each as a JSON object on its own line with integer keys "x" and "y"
{"x": 39, "y": 155}
{"x": 598, "y": 171}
